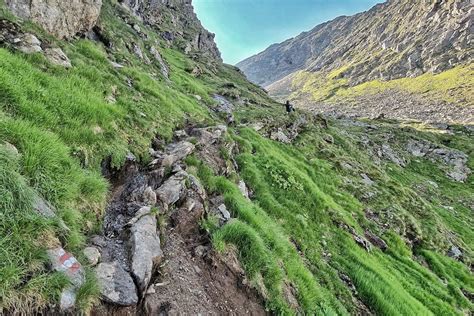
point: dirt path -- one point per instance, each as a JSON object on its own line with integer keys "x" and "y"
{"x": 187, "y": 277}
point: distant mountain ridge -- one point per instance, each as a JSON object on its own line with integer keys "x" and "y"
{"x": 395, "y": 39}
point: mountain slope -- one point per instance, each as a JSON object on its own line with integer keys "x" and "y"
{"x": 394, "y": 40}
{"x": 141, "y": 175}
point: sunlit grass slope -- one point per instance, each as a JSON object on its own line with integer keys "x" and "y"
{"x": 455, "y": 85}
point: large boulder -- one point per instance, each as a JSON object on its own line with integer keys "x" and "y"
{"x": 61, "y": 18}
{"x": 116, "y": 285}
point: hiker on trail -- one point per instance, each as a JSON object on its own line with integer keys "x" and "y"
{"x": 289, "y": 107}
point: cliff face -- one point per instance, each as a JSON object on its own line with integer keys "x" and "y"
{"x": 396, "y": 39}
{"x": 60, "y": 18}
{"x": 177, "y": 21}
{"x": 174, "y": 19}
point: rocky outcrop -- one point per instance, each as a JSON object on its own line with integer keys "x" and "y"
{"x": 177, "y": 23}
{"x": 399, "y": 38}
{"x": 61, "y": 18}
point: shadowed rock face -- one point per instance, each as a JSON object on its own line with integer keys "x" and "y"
{"x": 62, "y": 18}
{"x": 399, "y": 38}
{"x": 177, "y": 21}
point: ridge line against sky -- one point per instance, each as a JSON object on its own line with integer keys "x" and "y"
{"x": 246, "y": 27}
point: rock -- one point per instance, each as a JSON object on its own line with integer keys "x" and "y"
{"x": 455, "y": 253}
{"x": 328, "y": 138}
{"x": 376, "y": 240}
{"x": 361, "y": 241}
{"x": 180, "y": 134}
{"x": 164, "y": 68}
{"x": 92, "y": 255}
{"x": 11, "y": 148}
{"x": 209, "y": 135}
{"x": 29, "y": 44}
{"x": 366, "y": 180}
{"x": 172, "y": 190}
{"x": 280, "y": 136}
{"x": 224, "y": 105}
{"x": 387, "y": 152}
{"x": 224, "y": 213}
{"x": 145, "y": 248}
{"x": 58, "y": 57}
{"x": 177, "y": 152}
{"x": 418, "y": 148}
{"x": 197, "y": 187}
{"x": 149, "y": 197}
{"x": 61, "y": 18}
{"x": 243, "y": 189}
{"x": 67, "y": 264}
{"x": 116, "y": 65}
{"x": 116, "y": 285}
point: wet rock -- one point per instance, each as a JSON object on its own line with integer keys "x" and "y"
{"x": 177, "y": 152}
{"x": 58, "y": 57}
{"x": 145, "y": 247}
{"x": 29, "y": 44}
{"x": 376, "y": 240}
{"x": 67, "y": 264}
{"x": 172, "y": 190}
{"x": 116, "y": 285}
{"x": 92, "y": 255}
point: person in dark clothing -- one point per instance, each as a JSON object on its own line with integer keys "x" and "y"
{"x": 289, "y": 107}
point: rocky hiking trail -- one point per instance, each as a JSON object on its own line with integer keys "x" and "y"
{"x": 154, "y": 257}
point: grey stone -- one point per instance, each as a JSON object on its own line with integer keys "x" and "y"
{"x": 164, "y": 68}
{"x": 243, "y": 189}
{"x": 172, "y": 190}
{"x": 224, "y": 212}
{"x": 116, "y": 285}
{"x": 455, "y": 252}
{"x": 116, "y": 65}
{"x": 92, "y": 255}
{"x": 280, "y": 136}
{"x": 59, "y": 17}
{"x": 366, "y": 180}
{"x": 29, "y": 44}
{"x": 58, "y": 57}
{"x": 177, "y": 152}
{"x": 145, "y": 248}
{"x": 149, "y": 197}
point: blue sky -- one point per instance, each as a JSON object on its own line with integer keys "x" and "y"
{"x": 246, "y": 27}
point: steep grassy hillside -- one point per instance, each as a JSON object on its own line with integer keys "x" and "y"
{"x": 319, "y": 205}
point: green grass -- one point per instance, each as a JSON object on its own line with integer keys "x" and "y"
{"x": 288, "y": 236}
{"x": 285, "y": 233}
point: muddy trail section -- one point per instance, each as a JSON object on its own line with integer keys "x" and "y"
{"x": 153, "y": 258}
